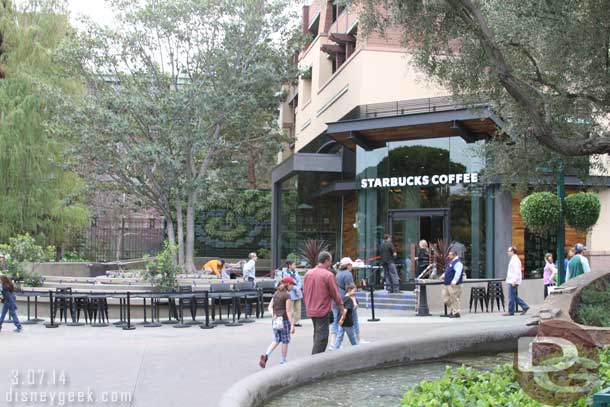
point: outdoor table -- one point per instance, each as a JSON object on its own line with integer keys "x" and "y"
{"x": 28, "y": 294}
{"x": 154, "y": 309}
{"x": 181, "y": 297}
{"x": 233, "y": 296}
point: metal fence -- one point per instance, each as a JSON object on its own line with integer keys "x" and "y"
{"x": 121, "y": 239}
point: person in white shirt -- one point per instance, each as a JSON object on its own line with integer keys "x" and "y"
{"x": 513, "y": 280}
{"x": 250, "y": 268}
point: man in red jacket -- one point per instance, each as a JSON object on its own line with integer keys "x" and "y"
{"x": 319, "y": 290}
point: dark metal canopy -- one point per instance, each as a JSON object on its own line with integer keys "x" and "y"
{"x": 371, "y": 126}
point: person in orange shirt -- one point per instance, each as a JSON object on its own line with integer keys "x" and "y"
{"x": 214, "y": 266}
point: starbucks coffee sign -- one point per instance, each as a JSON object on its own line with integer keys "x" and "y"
{"x": 420, "y": 180}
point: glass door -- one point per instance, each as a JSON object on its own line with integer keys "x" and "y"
{"x": 407, "y": 228}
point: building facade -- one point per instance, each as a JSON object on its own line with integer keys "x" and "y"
{"x": 380, "y": 150}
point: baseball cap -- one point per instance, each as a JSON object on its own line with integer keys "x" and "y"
{"x": 288, "y": 280}
{"x": 345, "y": 261}
{"x": 579, "y": 247}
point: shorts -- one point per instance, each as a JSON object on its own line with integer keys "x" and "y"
{"x": 283, "y": 335}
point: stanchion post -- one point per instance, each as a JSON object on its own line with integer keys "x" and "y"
{"x": 52, "y": 324}
{"x": 372, "y": 289}
{"x": 206, "y": 306}
{"x": 128, "y": 327}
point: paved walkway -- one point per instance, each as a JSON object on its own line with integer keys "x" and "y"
{"x": 168, "y": 366}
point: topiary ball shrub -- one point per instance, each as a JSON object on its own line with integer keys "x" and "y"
{"x": 540, "y": 212}
{"x": 582, "y": 210}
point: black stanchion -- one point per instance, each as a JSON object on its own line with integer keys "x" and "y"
{"x": 372, "y": 287}
{"x": 206, "y": 306}
{"x": 121, "y": 322}
{"x": 51, "y": 324}
{"x": 422, "y": 303}
{"x": 128, "y": 327}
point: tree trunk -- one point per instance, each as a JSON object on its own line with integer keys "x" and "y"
{"x": 180, "y": 221}
{"x": 252, "y": 170}
{"x": 190, "y": 233}
{"x": 171, "y": 234}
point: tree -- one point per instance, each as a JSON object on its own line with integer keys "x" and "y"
{"x": 543, "y": 65}
{"x": 179, "y": 90}
{"x": 39, "y": 194}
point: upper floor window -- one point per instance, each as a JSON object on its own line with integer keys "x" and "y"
{"x": 314, "y": 25}
{"x": 337, "y": 8}
{"x": 343, "y": 47}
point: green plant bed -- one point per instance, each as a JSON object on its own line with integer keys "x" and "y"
{"x": 593, "y": 308}
{"x": 468, "y": 387}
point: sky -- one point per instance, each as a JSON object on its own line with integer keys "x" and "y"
{"x": 98, "y": 10}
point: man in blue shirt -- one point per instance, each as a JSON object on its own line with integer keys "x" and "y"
{"x": 452, "y": 281}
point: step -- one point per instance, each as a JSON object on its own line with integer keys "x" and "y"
{"x": 390, "y": 301}
{"x": 383, "y": 294}
{"x": 391, "y": 307}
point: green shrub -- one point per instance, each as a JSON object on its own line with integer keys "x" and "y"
{"x": 592, "y": 309}
{"x": 540, "y": 212}
{"x": 23, "y": 249}
{"x": 582, "y": 210}
{"x": 467, "y": 387}
{"x": 163, "y": 270}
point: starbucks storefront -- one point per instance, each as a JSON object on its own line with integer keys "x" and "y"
{"x": 413, "y": 176}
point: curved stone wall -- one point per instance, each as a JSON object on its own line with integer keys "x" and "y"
{"x": 255, "y": 389}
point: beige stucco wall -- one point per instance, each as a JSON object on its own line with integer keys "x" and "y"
{"x": 369, "y": 76}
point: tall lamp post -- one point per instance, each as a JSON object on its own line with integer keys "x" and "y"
{"x": 561, "y": 232}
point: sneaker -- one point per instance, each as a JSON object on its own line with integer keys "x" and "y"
{"x": 331, "y": 347}
{"x": 298, "y": 325}
{"x": 283, "y": 362}
{"x": 524, "y": 311}
{"x": 263, "y": 361}
{"x": 18, "y": 330}
{"x": 508, "y": 315}
{"x": 455, "y": 315}
{"x": 363, "y": 341}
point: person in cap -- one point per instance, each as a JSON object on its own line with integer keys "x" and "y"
{"x": 280, "y": 309}
{"x": 578, "y": 264}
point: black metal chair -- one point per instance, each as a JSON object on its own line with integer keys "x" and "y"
{"x": 187, "y": 302}
{"x": 98, "y": 310}
{"x": 478, "y": 295}
{"x": 81, "y": 304}
{"x": 267, "y": 289}
{"x": 249, "y": 300}
{"x": 495, "y": 294}
{"x": 63, "y": 304}
{"x": 221, "y": 288}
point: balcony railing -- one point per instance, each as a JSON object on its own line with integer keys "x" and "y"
{"x": 403, "y": 107}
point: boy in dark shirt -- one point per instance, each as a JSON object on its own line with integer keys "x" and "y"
{"x": 346, "y": 321}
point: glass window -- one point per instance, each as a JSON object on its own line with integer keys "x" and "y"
{"x": 410, "y": 162}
